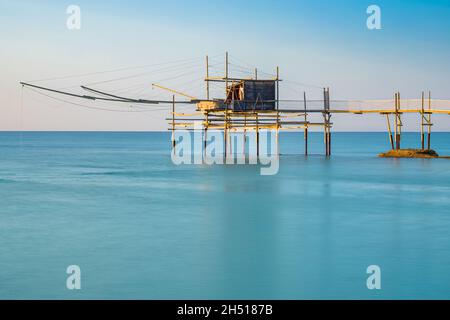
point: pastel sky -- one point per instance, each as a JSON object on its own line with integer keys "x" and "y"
{"x": 315, "y": 44}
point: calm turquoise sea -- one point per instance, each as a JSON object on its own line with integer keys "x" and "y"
{"x": 140, "y": 227}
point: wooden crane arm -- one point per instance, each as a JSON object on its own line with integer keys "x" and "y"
{"x": 174, "y": 91}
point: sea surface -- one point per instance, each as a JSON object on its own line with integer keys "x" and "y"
{"x": 140, "y": 227}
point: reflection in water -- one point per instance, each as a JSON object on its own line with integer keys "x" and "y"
{"x": 140, "y": 227}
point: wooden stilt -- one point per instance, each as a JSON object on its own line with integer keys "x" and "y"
{"x": 226, "y": 106}
{"x": 173, "y": 124}
{"x": 278, "y": 111}
{"x": 325, "y": 121}
{"x": 207, "y": 77}
{"x": 229, "y": 137}
{"x": 326, "y": 116}
{"x": 422, "y": 115}
{"x": 205, "y": 132}
{"x": 306, "y": 141}
{"x": 429, "y": 121}
{"x": 257, "y": 135}
{"x": 245, "y": 134}
{"x": 399, "y": 131}
{"x": 205, "y": 136}
{"x": 306, "y": 125}
{"x": 225, "y": 132}
{"x": 329, "y": 121}
{"x": 391, "y": 139}
{"x": 329, "y": 141}
{"x": 230, "y": 141}
{"x": 397, "y": 122}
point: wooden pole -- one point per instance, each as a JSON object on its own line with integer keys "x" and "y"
{"x": 226, "y": 104}
{"x": 325, "y": 127}
{"x": 173, "y": 123}
{"x": 328, "y": 121}
{"x": 306, "y": 125}
{"x": 396, "y": 121}
{"x": 429, "y": 121}
{"x": 230, "y": 137}
{"x": 391, "y": 139}
{"x": 278, "y": 110}
{"x": 324, "y": 120}
{"x": 329, "y": 139}
{"x": 257, "y": 135}
{"x": 422, "y": 114}
{"x": 206, "y": 132}
{"x": 207, "y": 78}
{"x": 226, "y": 75}
{"x": 399, "y": 130}
{"x": 278, "y": 94}
{"x": 256, "y": 74}
{"x": 245, "y": 133}
{"x": 225, "y": 131}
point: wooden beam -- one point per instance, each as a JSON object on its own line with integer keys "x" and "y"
{"x": 225, "y": 79}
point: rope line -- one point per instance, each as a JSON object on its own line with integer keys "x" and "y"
{"x": 113, "y": 70}
{"x": 93, "y": 107}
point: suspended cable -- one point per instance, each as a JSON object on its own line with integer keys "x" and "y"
{"x": 114, "y": 70}
{"x": 143, "y": 74}
{"x": 91, "y": 107}
{"x": 121, "y": 99}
